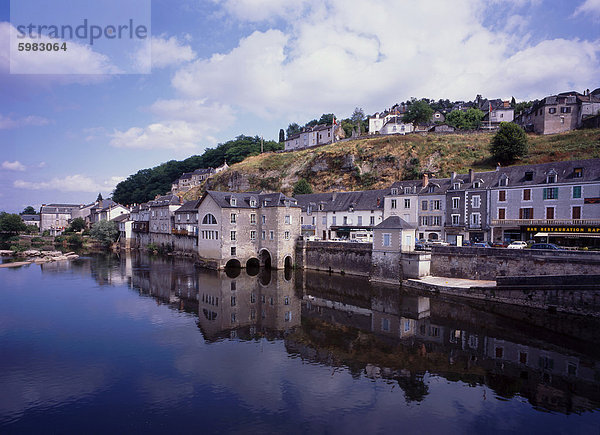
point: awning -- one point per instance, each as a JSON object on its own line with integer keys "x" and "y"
{"x": 567, "y": 235}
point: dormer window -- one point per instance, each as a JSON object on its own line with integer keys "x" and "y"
{"x": 394, "y": 191}
{"x": 503, "y": 180}
{"x": 252, "y": 202}
{"x": 431, "y": 189}
{"x": 407, "y": 190}
{"x": 233, "y": 202}
{"x": 456, "y": 186}
{"x": 551, "y": 177}
{"x": 320, "y": 207}
{"x": 578, "y": 173}
{"x": 529, "y": 176}
{"x": 476, "y": 184}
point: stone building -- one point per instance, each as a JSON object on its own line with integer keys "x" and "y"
{"x": 162, "y": 210}
{"x": 55, "y": 218}
{"x": 247, "y": 228}
{"x": 185, "y": 230}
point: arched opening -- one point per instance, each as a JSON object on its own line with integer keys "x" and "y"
{"x": 288, "y": 262}
{"x": 433, "y": 236}
{"x": 233, "y": 268}
{"x": 265, "y": 276}
{"x": 252, "y": 266}
{"x": 265, "y": 259}
{"x": 287, "y": 273}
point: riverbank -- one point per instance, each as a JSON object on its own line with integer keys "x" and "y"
{"x": 37, "y": 257}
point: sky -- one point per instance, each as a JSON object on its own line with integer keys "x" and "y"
{"x": 221, "y": 68}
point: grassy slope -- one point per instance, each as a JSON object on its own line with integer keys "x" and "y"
{"x": 377, "y": 162}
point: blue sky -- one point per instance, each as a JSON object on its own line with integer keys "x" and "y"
{"x": 221, "y": 68}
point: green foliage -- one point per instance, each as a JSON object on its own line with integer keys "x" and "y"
{"x": 99, "y": 197}
{"x": 45, "y": 233}
{"x": 11, "y": 223}
{"x": 31, "y": 229}
{"x": 419, "y": 112}
{"x": 302, "y": 187}
{"x": 29, "y": 210}
{"x": 292, "y": 129}
{"x": 509, "y": 143}
{"x": 326, "y": 118}
{"x": 75, "y": 240}
{"x": 37, "y": 240}
{"x": 521, "y": 106}
{"x": 77, "y": 225}
{"x": 465, "y": 120}
{"x": 105, "y": 232}
{"x": 147, "y": 183}
{"x": 281, "y": 135}
{"x": 348, "y": 126}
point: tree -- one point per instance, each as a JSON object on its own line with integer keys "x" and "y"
{"x": 465, "y": 120}
{"x": 509, "y": 142}
{"x": 357, "y": 117}
{"x": 105, "y": 232}
{"x": 99, "y": 198}
{"x": 522, "y": 105}
{"x": 281, "y": 135}
{"x": 513, "y": 102}
{"x": 29, "y": 210}
{"x": 302, "y": 186}
{"x": 419, "y": 112}
{"x": 77, "y": 225}
{"x": 11, "y": 223}
{"x": 292, "y": 129}
{"x": 326, "y": 118}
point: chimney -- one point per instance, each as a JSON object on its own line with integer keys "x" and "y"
{"x": 498, "y": 166}
{"x": 452, "y": 176}
{"x": 471, "y": 175}
{"x": 425, "y": 180}
{"x": 378, "y": 201}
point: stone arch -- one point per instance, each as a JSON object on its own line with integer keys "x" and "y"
{"x": 288, "y": 262}
{"x": 433, "y": 236}
{"x": 252, "y": 266}
{"x": 265, "y": 258}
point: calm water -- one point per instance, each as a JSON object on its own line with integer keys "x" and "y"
{"x": 136, "y": 344}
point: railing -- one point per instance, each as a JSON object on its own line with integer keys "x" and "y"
{"x": 524, "y": 222}
{"x": 179, "y": 232}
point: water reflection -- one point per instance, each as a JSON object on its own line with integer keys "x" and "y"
{"x": 376, "y": 332}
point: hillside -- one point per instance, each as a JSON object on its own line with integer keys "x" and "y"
{"x": 372, "y": 163}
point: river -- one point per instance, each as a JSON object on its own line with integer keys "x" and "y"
{"x": 108, "y": 344}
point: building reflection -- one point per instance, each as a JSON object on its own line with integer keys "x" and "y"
{"x": 401, "y": 336}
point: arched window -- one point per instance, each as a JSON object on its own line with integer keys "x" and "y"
{"x": 209, "y": 219}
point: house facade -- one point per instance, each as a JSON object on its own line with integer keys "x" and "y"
{"x": 55, "y": 218}
{"x": 313, "y": 136}
{"x": 161, "y": 220}
{"x": 247, "y": 228}
{"x": 185, "y": 227}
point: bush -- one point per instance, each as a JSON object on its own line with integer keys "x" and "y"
{"x": 75, "y": 240}
{"x": 509, "y": 143}
{"x": 37, "y": 240}
{"x": 106, "y": 232}
{"x": 302, "y": 187}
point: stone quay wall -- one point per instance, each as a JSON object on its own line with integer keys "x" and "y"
{"x": 489, "y": 263}
{"x": 340, "y": 257}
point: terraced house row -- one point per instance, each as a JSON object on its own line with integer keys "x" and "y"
{"x": 556, "y": 200}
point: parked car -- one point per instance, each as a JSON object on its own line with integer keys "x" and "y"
{"x": 499, "y": 244}
{"x": 480, "y": 245}
{"x": 438, "y": 243}
{"x": 517, "y": 244}
{"x": 419, "y": 246}
{"x": 467, "y": 243}
{"x": 546, "y": 246}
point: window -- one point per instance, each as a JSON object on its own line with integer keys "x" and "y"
{"x": 252, "y": 235}
{"x": 263, "y": 219}
{"x": 423, "y": 205}
{"x": 263, "y": 235}
{"x": 288, "y": 219}
{"x": 523, "y": 357}
{"x": 456, "y": 186}
{"x": 526, "y": 194}
{"x": 503, "y": 181}
{"x": 455, "y": 219}
{"x": 431, "y": 189}
{"x": 271, "y": 234}
{"x": 233, "y": 218}
{"x": 233, "y": 251}
{"x": 406, "y": 203}
{"x": 233, "y": 301}
{"x": 577, "y": 212}
{"x": 345, "y": 220}
{"x": 576, "y": 191}
{"x": 502, "y": 195}
{"x": 525, "y": 213}
{"x": 334, "y": 220}
{"x": 301, "y": 220}
{"x": 437, "y": 220}
{"x": 406, "y": 190}
{"x": 578, "y": 173}
{"x": 476, "y": 201}
{"x": 359, "y": 220}
{"x": 387, "y": 239}
{"x": 551, "y": 178}
{"x": 436, "y": 204}
{"x": 501, "y": 213}
{"x": 286, "y": 235}
{"x": 394, "y": 191}
{"x": 552, "y": 110}
{"x": 179, "y": 218}
{"x": 455, "y": 202}
{"x": 233, "y": 202}
{"x": 565, "y": 110}
{"x": 385, "y": 325}
{"x": 393, "y": 203}
{"x": 252, "y": 218}
{"x": 549, "y": 212}
{"x": 252, "y": 202}
{"x": 476, "y": 184}
{"x": 551, "y": 193}
{"x": 233, "y": 235}
{"x": 499, "y": 352}
{"x": 324, "y": 220}
{"x": 372, "y": 220}
{"x": 233, "y": 285}
{"x": 424, "y": 220}
{"x": 314, "y": 220}
{"x": 475, "y": 219}
{"x": 529, "y": 176}
{"x": 187, "y": 217}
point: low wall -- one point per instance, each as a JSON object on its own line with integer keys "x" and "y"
{"x": 489, "y": 263}
{"x": 350, "y": 258}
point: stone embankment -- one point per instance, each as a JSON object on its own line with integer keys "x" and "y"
{"x": 37, "y": 257}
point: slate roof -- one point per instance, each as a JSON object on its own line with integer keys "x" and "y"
{"x": 395, "y": 222}
{"x": 223, "y": 199}
{"x": 120, "y": 218}
{"x": 189, "y": 206}
{"x": 58, "y": 208}
{"x": 30, "y": 217}
{"x": 342, "y": 201}
{"x": 164, "y": 200}
{"x": 565, "y": 172}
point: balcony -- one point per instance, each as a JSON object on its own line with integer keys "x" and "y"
{"x": 532, "y": 222}
{"x": 179, "y": 232}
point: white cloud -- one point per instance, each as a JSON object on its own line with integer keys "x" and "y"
{"x": 13, "y": 166}
{"x": 71, "y": 183}
{"x": 185, "y": 124}
{"x": 591, "y": 7}
{"x": 166, "y": 52}
{"x": 334, "y": 55}
{"x": 7, "y": 123}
